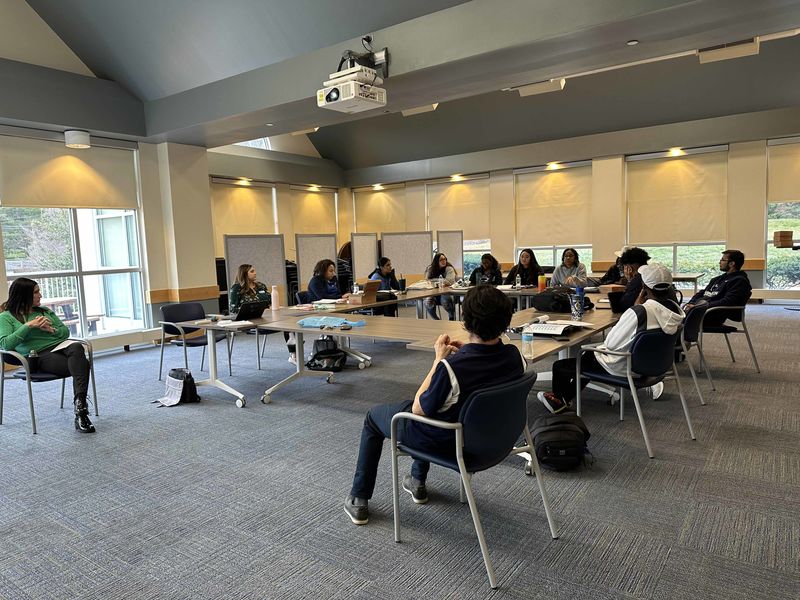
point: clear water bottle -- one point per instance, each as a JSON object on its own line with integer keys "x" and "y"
{"x": 440, "y": 283}
{"x": 355, "y": 288}
{"x": 33, "y": 361}
{"x": 518, "y": 281}
{"x": 527, "y": 345}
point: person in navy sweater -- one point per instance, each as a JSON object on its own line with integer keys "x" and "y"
{"x": 458, "y": 370}
{"x": 732, "y": 288}
{"x": 384, "y": 273}
{"x": 324, "y": 285}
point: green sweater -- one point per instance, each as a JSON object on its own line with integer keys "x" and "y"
{"x": 21, "y": 338}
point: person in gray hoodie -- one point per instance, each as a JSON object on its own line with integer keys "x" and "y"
{"x": 654, "y": 309}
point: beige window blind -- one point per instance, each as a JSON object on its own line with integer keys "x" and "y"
{"x": 41, "y": 173}
{"x": 463, "y": 205}
{"x": 783, "y": 174}
{"x": 554, "y": 207}
{"x": 682, "y": 199}
{"x": 380, "y": 211}
{"x": 240, "y": 210}
{"x": 313, "y": 212}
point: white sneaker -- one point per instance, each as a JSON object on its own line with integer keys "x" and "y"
{"x": 656, "y": 390}
{"x": 293, "y": 359}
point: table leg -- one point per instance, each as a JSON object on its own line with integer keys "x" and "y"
{"x": 420, "y": 309}
{"x": 300, "y": 372}
{"x": 213, "y": 379}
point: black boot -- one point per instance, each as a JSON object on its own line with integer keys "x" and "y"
{"x": 82, "y": 421}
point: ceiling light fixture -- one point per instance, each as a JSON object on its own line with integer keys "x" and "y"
{"x": 728, "y": 51}
{"x": 409, "y": 112}
{"x": 377, "y": 187}
{"x": 270, "y": 124}
{"x": 677, "y": 152}
{"x": 243, "y": 181}
{"x": 632, "y": 43}
{"x": 75, "y": 138}
{"x": 313, "y": 187}
{"x": 457, "y": 177}
{"x": 543, "y": 87}
{"x": 552, "y": 166}
{"x": 305, "y": 131}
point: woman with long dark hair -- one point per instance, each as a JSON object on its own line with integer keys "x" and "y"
{"x": 441, "y": 267}
{"x": 247, "y": 288}
{"x": 571, "y": 272}
{"x": 527, "y": 268}
{"x": 27, "y": 326}
{"x": 384, "y": 273}
{"x": 323, "y": 285}
{"x": 488, "y": 272}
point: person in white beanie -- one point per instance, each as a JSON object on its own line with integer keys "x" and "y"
{"x": 654, "y": 309}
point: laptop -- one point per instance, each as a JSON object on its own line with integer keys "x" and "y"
{"x": 251, "y": 310}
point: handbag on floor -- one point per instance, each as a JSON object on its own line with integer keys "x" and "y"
{"x": 560, "y": 441}
{"x": 180, "y": 388}
{"x": 327, "y": 356}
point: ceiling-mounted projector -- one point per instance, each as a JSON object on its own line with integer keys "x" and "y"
{"x": 352, "y": 89}
{"x": 351, "y": 97}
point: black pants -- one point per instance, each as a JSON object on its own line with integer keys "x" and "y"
{"x": 390, "y": 310}
{"x": 564, "y": 374}
{"x": 289, "y": 346}
{"x": 69, "y": 362}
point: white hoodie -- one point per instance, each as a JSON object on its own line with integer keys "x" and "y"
{"x": 621, "y": 335}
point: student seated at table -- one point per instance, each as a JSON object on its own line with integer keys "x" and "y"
{"x": 732, "y": 288}
{"x": 571, "y": 272}
{"x": 26, "y": 325}
{"x": 441, "y": 267}
{"x": 488, "y": 272}
{"x": 661, "y": 312}
{"x": 248, "y": 289}
{"x": 384, "y": 273}
{"x": 632, "y": 260}
{"x": 457, "y": 371}
{"x": 527, "y": 268}
{"x": 323, "y": 285}
{"x": 615, "y": 273}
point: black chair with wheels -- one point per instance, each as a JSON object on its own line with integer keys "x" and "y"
{"x": 9, "y": 357}
{"x": 650, "y": 360}
{"x": 488, "y": 427}
{"x": 187, "y": 311}
{"x": 711, "y": 325}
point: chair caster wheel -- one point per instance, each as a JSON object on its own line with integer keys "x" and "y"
{"x": 368, "y": 363}
{"x": 329, "y": 378}
{"x": 265, "y": 399}
{"x": 528, "y": 469}
{"x": 240, "y": 402}
{"x": 362, "y": 366}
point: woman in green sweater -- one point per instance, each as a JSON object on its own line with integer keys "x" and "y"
{"x": 25, "y": 325}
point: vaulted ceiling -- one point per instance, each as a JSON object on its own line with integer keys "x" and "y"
{"x": 212, "y": 73}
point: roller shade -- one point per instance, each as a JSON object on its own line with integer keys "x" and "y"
{"x": 680, "y": 199}
{"x": 313, "y": 212}
{"x": 40, "y": 173}
{"x": 463, "y": 205}
{"x": 554, "y": 207}
{"x": 380, "y": 211}
{"x": 783, "y": 174}
{"x": 237, "y": 210}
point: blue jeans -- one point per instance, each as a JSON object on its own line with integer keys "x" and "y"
{"x": 377, "y": 427}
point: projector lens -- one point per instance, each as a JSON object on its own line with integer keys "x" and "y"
{"x": 333, "y": 95}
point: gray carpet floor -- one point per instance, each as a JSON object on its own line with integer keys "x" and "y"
{"x": 211, "y": 501}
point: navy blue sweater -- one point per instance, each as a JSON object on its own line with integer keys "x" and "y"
{"x": 320, "y": 288}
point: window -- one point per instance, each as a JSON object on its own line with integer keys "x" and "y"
{"x": 783, "y": 264}
{"x": 473, "y": 250}
{"x": 689, "y": 258}
{"x": 550, "y": 256}
{"x": 86, "y": 262}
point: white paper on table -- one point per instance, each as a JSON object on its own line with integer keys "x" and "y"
{"x": 505, "y": 287}
{"x": 575, "y": 323}
{"x": 62, "y": 345}
{"x": 328, "y": 301}
{"x": 233, "y": 323}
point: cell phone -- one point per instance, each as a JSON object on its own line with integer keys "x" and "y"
{"x": 345, "y": 327}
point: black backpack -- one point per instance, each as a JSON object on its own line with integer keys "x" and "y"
{"x": 560, "y": 441}
{"x": 327, "y": 356}
{"x": 556, "y": 300}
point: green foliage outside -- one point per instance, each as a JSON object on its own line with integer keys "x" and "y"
{"x": 783, "y": 264}
{"x": 36, "y": 239}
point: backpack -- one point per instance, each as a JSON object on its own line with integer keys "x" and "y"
{"x": 560, "y": 441}
{"x": 327, "y": 356}
{"x": 180, "y": 389}
{"x": 556, "y": 300}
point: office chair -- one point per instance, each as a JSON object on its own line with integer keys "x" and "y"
{"x": 490, "y": 423}
{"x": 187, "y": 311}
{"x": 725, "y": 330}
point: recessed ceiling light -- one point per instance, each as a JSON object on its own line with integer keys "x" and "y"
{"x": 243, "y": 181}
{"x": 74, "y": 138}
{"x": 632, "y": 42}
{"x": 377, "y": 187}
{"x": 313, "y": 187}
{"x": 270, "y": 124}
{"x": 677, "y": 152}
{"x": 457, "y": 177}
{"x": 552, "y": 166}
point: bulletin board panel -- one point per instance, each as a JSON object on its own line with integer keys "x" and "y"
{"x": 265, "y": 252}
{"x": 410, "y": 251}
{"x": 312, "y": 248}
{"x": 451, "y": 244}
{"x": 365, "y": 253}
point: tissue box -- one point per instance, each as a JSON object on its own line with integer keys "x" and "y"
{"x": 783, "y": 239}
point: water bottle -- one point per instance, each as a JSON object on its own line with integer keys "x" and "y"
{"x": 527, "y": 345}
{"x": 355, "y": 288}
{"x": 518, "y": 281}
{"x": 441, "y": 283}
{"x": 275, "y": 298}
{"x": 33, "y": 361}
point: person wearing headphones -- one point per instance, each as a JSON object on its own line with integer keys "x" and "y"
{"x": 384, "y": 273}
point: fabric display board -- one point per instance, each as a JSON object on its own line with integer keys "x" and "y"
{"x": 411, "y": 251}
{"x": 451, "y": 243}
{"x": 264, "y": 252}
{"x": 364, "y": 248}
{"x": 312, "y": 248}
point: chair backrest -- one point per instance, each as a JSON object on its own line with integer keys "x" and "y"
{"x": 10, "y": 359}
{"x": 493, "y": 419}
{"x": 182, "y": 311}
{"x": 302, "y": 297}
{"x": 653, "y": 352}
{"x": 692, "y": 322}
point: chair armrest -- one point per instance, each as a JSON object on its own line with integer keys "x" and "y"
{"x": 713, "y": 308}
{"x": 18, "y": 356}
{"x": 175, "y": 325}
{"x": 427, "y": 420}
{"x": 596, "y": 350}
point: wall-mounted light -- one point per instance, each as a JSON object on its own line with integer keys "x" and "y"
{"x": 457, "y": 177}
{"x": 244, "y": 181}
{"x": 75, "y": 138}
{"x": 552, "y": 166}
{"x": 313, "y": 187}
{"x": 677, "y": 152}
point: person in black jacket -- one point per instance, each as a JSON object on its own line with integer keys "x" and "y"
{"x": 324, "y": 285}
{"x": 615, "y": 273}
{"x": 384, "y": 273}
{"x": 732, "y": 288}
{"x": 632, "y": 259}
{"x": 487, "y": 272}
{"x": 527, "y": 268}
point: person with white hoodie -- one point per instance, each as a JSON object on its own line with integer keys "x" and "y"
{"x": 653, "y": 309}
